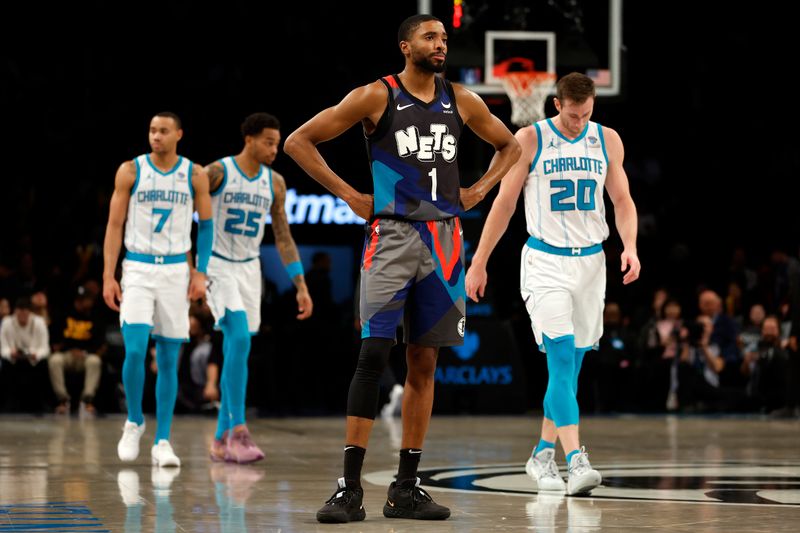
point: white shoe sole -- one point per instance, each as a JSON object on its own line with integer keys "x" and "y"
{"x": 129, "y": 456}
{"x": 585, "y": 484}
{"x": 173, "y": 462}
{"x": 549, "y": 484}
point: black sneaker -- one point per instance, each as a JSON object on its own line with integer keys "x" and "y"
{"x": 343, "y": 506}
{"x": 408, "y": 500}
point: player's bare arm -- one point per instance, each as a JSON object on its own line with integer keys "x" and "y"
{"x": 476, "y": 115}
{"x": 366, "y": 104}
{"x": 202, "y": 204}
{"x": 500, "y": 214}
{"x": 624, "y": 208}
{"x": 216, "y": 173}
{"x": 117, "y": 212}
{"x": 286, "y": 245}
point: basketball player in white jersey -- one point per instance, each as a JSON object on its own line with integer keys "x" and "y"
{"x": 565, "y": 163}
{"x": 154, "y": 198}
{"x": 244, "y": 191}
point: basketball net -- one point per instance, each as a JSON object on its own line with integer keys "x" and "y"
{"x": 527, "y": 89}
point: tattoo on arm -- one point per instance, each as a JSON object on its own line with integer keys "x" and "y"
{"x": 280, "y": 227}
{"x": 283, "y": 239}
{"x": 215, "y": 175}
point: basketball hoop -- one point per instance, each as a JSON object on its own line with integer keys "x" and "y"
{"x": 527, "y": 89}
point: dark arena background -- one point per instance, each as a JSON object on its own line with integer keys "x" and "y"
{"x": 702, "y": 95}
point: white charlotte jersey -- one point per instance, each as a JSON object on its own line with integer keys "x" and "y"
{"x": 160, "y": 209}
{"x": 564, "y": 188}
{"x": 240, "y": 207}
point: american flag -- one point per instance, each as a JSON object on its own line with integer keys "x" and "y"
{"x": 600, "y": 76}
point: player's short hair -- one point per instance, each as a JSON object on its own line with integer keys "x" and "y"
{"x": 575, "y": 86}
{"x": 410, "y": 25}
{"x": 257, "y": 122}
{"x": 173, "y": 116}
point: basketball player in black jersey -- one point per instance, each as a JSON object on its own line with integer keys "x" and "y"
{"x": 412, "y": 266}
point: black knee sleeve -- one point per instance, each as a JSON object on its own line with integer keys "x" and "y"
{"x": 362, "y": 399}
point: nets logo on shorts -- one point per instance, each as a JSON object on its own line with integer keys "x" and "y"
{"x": 462, "y": 324}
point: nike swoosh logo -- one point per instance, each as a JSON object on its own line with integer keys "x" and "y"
{"x": 400, "y": 108}
{"x": 390, "y": 502}
{"x": 446, "y": 106}
{"x": 412, "y": 451}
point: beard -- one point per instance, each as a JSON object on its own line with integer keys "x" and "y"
{"x": 425, "y": 63}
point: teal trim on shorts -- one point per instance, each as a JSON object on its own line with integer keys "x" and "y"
{"x": 542, "y": 246}
{"x": 156, "y": 259}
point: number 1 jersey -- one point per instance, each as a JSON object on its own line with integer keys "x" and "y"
{"x": 413, "y": 153}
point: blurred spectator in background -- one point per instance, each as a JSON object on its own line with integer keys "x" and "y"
{"x": 724, "y": 336}
{"x": 751, "y": 332}
{"x": 607, "y": 377}
{"x": 733, "y": 303}
{"x": 200, "y": 368}
{"x": 700, "y": 388}
{"x": 659, "y": 350}
{"x": 5, "y": 308}
{"x": 767, "y": 368}
{"x": 79, "y": 344}
{"x": 39, "y": 306}
{"x": 24, "y": 343}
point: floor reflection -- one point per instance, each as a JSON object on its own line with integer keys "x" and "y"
{"x": 233, "y": 487}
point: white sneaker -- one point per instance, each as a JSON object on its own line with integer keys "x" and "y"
{"x": 163, "y": 455}
{"x": 128, "y": 446}
{"x": 394, "y": 406}
{"x": 128, "y": 483}
{"x": 543, "y": 470}
{"x": 582, "y": 477}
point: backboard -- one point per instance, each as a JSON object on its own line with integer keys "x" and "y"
{"x": 560, "y": 36}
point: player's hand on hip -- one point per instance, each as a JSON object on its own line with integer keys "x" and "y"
{"x": 112, "y": 293}
{"x": 197, "y": 285}
{"x": 630, "y": 262}
{"x": 304, "y": 305}
{"x": 475, "y": 282}
{"x": 362, "y": 205}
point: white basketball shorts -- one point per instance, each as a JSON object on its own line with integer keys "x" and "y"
{"x": 236, "y": 287}
{"x": 156, "y": 295}
{"x": 564, "y": 295}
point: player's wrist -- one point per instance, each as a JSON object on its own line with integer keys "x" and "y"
{"x": 479, "y": 262}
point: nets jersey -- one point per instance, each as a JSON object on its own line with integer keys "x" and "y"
{"x": 160, "y": 209}
{"x": 240, "y": 207}
{"x": 564, "y": 188}
{"x": 412, "y": 155}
